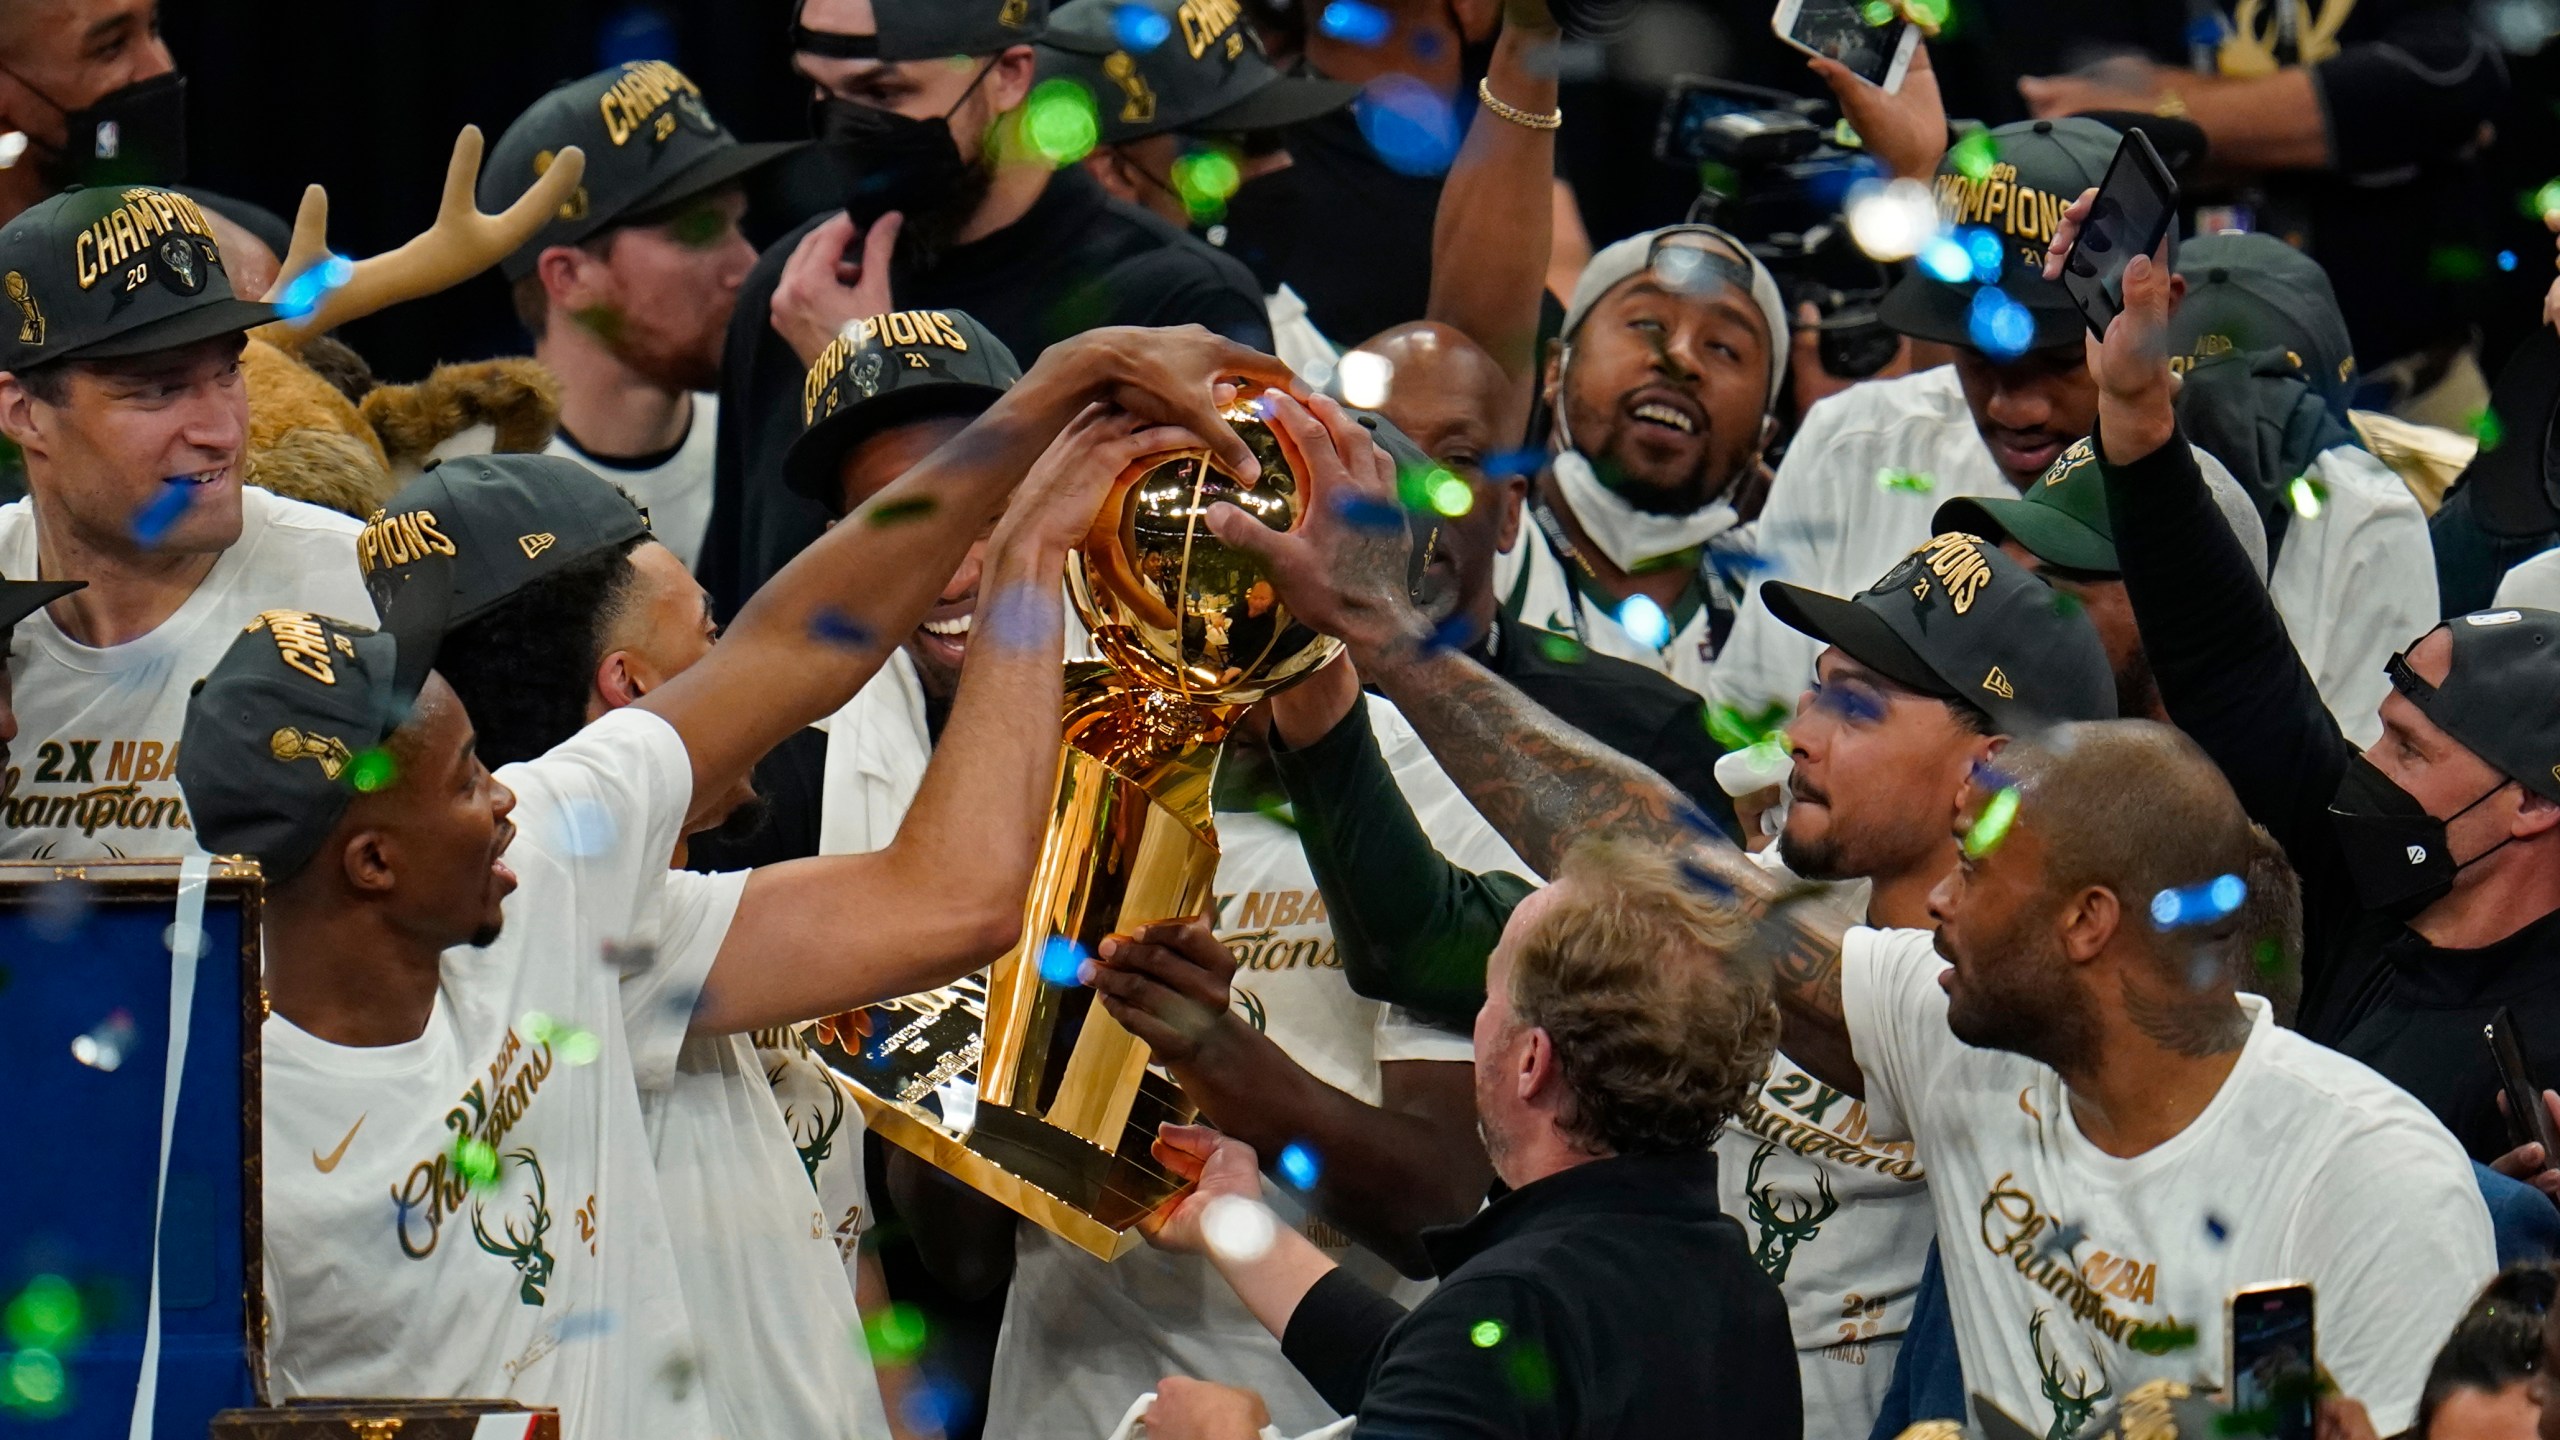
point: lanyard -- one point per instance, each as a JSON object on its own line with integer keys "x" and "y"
{"x": 1708, "y": 580}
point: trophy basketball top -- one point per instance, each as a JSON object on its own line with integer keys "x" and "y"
{"x": 1173, "y": 607}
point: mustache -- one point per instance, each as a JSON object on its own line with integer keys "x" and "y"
{"x": 1801, "y": 790}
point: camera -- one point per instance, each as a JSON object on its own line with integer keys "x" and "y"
{"x": 1773, "y": 178}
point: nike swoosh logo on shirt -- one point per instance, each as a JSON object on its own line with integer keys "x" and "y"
{"x": 324, "y": 1166}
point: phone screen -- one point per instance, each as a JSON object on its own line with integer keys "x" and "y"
{"x": 1843, "y": 31}
{"x": 2273, "y": 1374}
{"x": 2528, "y": 1119}
{"x": 2135, "y": 207}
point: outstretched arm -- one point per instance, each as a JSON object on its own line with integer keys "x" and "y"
{"x": 1495, "y": 229}
{"x": 825, "y": 934}
{"x": 818, "y": 630}
{"x": 1543, "y": 784}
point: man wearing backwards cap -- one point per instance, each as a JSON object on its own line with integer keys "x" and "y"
{"x": 1871, "y": 464}
{"x": 2430, "y": 862}
{"x": 377, "y": 1011}
{"x": 120, "y": 381}
{"x": 950, "y": 205}
{"x": 628, "y": 291}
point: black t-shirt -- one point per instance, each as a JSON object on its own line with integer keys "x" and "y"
{"x": 2403, "y": 86}
{"x": 1076, "y": 261}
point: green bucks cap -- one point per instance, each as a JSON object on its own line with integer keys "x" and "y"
{"x": 2062, "y": 519}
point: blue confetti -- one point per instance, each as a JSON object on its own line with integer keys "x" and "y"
{"x": 1983, "y": 249}
{"x": 2214, "y": 1227}
{"x": 2198, "y": 904}
{"x": 303, "y": 296}
{"x": 1515, "y": 462}
{"x": 641, "y": 32}
{"x": 2001, "y": 327}
{"x": 834, "y": 627}
{"x": 1298, "y": 1166}
{"x": 2506, "y": 260}
{"x": 1946, "y": 261}
{"x": 1362, "y": 513}
{"x": 1060, "y": 959}
{"x": 576, "y": 1327}
{"x": 1990, "y": 777}
{"x": 1644, "y": 622}
{"x": 1140, "y": 28}
{"x": 1350, "y": 20}
{"x": 2205, "y": 30}
{"x": 1454, "y": 633}
{"x": 1848, "y": 703}
{"x": 1705, "y": 879}
{"x": 1412, "y": 129}
{"x": 153, "y": 520}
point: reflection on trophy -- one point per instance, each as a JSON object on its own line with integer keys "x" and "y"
{"x": 1015, "y": 1081}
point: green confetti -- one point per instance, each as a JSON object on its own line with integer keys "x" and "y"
{"x": 1486, "y": 1334}
{"x": 1932, "y": 16}
{"x": 2065, "y": 603}
{"x": 572, "y": 1045}
{"x": 45, "y": 1315}
{"x": 1532, "y": 1377}
{"x": 2307, "y": 496}
{"x": 2543, "y": 202}
{"x": 2161, "y": 1339}
{"x": 2454, "y": 264}
{"x": 700, "y": 227}
{"x": 1561, "y": 649}
{"x": 2270, "y": 957}
{"x": 1205, "y": 179}
{"x": 1910, "y": 482}
{"x": 373, "y": 770}
{"x": 1877, "y": 12}
{"x": 1722, "y": 179}
{"x": 2487, "y": 428}
{"x": 1277, "y": 811}
{"x": 1992, "y": 825}
{"x": 1738, "y": 729}
{"x": 605, "y": 322}
{"x": 898, "y": 512}
{"x": 895, "y": 1333}
{"x": 476, "y": 1160}
{"x": 33, "y": 1383}
{"x": 1059, "y": 122}
{"x": 1974, "y": 155}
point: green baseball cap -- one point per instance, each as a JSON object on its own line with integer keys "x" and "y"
{"x": 276, "y": 737}
{"x": 2249, "y": 292}
{"x": 1958, "y": 619}
{"x": 111, "y": 272}
{"x": 892, "y": 369}
{"x": 650, "y": 144}
{"x": 474, "y": 530}
{"x": 2063, "y": 519}
{"x": 1157, "y": 66}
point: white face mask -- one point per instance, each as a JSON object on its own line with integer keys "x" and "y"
{"x": 1631, "y": 538}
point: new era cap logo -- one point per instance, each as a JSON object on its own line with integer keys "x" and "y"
{"x": 534, "y": 545}
{"x": 1998, "y": 684}
{"x": 2417, "y": 854}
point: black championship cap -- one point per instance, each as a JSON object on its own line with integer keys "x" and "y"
{"x": 280, "y": 737}
{"x": 1958, "y": 619}
{"x": 2063, "y": 519}
{"x": 2249, "y": 293}
{"x": 476, "y": 529}
{"x": 2515, "y": 484}
{"x": 929, "y": 30}
{"x": 2501, "y": 698}
{"x": 650, "y": 143}
{"x": 100, "y": 274}
{"x": 1154, "y": 66}
{"x": 889, "y": 370}
{"x": 22, "y": 598}
{"x": 2039, "y": 168}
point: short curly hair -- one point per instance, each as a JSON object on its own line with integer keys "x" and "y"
{"x": 1662, "y": 1026}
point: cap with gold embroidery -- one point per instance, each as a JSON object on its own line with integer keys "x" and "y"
{"x": 1960, "y": 620}
{"x": 476, "y": 529}
{"x": 2063, "y": 519}
{"x": 893, "y": 369}
{"x": 288, "y": 728}
{"x": 2248, "y": 294}
{"x": 650, "y": 144}
{"x": 1197, "y": 68}
{"x": 112, "y": 272}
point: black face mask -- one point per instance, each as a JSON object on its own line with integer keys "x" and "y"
{"x": 136, "y": 135}
{"x": 892, "y": 161}
{"x": 2395, "y": 851}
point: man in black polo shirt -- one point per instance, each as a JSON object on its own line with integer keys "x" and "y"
{"x": 951, "y": 204}
{"x": 2430, "y": 863}
{"x": 1601, "y": 1292}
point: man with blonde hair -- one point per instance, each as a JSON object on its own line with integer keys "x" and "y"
{"x": 1601, "y": 1292}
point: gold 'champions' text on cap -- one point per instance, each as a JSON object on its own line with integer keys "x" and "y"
{"x": 1206, "y": 22}
{"x": 639, "y": 101}
{"x": 930, "y": 329}
{"x": 145, "y": 217}
{"x": 1998, "y": 202}
{"x": 301, "y": 642}
{"x": 1956, "y": 559}
{"x": 388, "y": 540}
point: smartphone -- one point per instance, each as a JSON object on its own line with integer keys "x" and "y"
{"x": 2274, "y": 1368}
{"x": 2136, "y": 206}
{"x": 2528, "y": 1119}
{"x": 1846, "y": 31}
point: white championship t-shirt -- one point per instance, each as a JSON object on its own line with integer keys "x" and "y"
{"x": 388, "y": 1271}
{"x": 1083, "y": 1338}
{"x": 2353, "y": 584}
{"x": 94, "y": 770}
{"x": 2074, "y": 1275}
{"x": 675, "y": 488}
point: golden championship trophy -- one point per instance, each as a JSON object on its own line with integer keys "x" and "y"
{"x": 1015, "y": 1080}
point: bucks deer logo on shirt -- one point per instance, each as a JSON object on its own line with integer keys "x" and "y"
{"x": 2073, "y": 1394}
{"x": 520, "y": 1234}
{"x": 1784, "y": 1223}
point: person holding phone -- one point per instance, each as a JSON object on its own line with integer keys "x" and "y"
{"x": 2430, "y": 860}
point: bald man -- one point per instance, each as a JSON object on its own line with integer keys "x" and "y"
{"x": 1451, "y": 396}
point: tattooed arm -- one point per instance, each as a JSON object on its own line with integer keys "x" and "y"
{"x": 1540, "y": 782}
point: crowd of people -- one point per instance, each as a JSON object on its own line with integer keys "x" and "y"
{"x": 1805, "y": 904}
